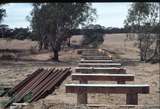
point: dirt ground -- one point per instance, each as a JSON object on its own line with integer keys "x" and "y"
{"x": 12, "y": 72}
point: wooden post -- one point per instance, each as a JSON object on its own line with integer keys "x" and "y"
{"x": 132, "y": 99}
{"x": 82, "y": 96}
{"x": 120, "y": 82}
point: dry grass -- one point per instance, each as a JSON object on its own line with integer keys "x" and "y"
{"x": 12, "y": 72}
{"x": 16, "y": 44}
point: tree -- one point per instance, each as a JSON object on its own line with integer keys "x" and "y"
{"x": 21, "y": 33}
{"x": 143, "y": 18}
{"x": 2, "y": 13}
{"x": 52, "y": 22}
{"x": 93, "y": 35}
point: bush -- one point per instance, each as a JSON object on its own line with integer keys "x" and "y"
{"x": 93, "y": 36}
{"x": 92, "y": 40}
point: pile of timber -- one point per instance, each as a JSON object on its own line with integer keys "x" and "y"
{"x": 96, "y": 67}
{"x": 37, "y": 85}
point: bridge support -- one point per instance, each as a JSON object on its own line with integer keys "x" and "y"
{"x": 132, "y": 99}
{"x": 82, "y": 96}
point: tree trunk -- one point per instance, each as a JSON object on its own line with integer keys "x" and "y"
{"x": 69, "y": 42}
{"x": 56, "y": 55}
{"x": 141, "y": 51}
{"x": 140, "y": 40}
{"x": 46, "y": 45}
{"x": 156, "y": 52}
{"x": 40, "y": 45}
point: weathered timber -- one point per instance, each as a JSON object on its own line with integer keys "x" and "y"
{"x": 131, "y": 91}
{"x": 82, "y": 97}
{"x": 108, "y": 88}
{"x": 114, "y": 70}
{"x": 88, "y": 50}
{"x": 99, "y": 65}
{"x": 96, "y": 57}
{"x": 97, "y": 61}
{"x": 93, "y": 54}
{"x": 120, "y": 78}
{"x": 132, "y": 98}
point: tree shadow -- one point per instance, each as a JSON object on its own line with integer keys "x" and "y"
{"x": 130, "y": 62}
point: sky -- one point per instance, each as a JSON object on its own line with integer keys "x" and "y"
{"x": 109, "y": 14}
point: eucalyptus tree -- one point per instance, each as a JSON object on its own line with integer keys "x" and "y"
{"x": 143, "y": 18}
{"x": 2, "y": 12}
{"x": 52, "y": 22}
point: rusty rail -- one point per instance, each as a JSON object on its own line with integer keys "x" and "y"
{"x": 19, "y": 86}
{"x": 39, "y": 84}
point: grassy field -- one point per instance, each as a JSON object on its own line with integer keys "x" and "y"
{"x": 12, "y": 72}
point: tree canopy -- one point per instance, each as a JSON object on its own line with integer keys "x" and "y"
{"x": 144, "y": 20}
{"x": 2, "y": 13}
{"x": 52, "y": 22}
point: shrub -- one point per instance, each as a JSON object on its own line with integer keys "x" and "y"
{"x": 93, "y": 36}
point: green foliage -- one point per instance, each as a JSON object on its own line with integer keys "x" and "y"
{"x": 21, "y": 33}
{"x": 143, "y": 19}
{"x": 141, "y": 15}
{"x": 2, "y": 13}
{"x": 52, "y": 22}
{"x": 93, "y": 38}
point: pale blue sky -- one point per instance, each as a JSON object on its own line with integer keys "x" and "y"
{"x": 109, "y": 14}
